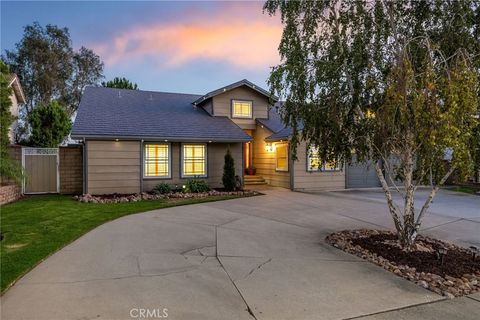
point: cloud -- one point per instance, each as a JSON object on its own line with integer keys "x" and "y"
{"x": 234, "y": 34}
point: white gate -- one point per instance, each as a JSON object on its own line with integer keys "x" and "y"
{"x": 41, "y": 170}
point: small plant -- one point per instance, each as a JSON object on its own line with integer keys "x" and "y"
{"x": 228, "y": 178}
{"x": 162, "y": 188}
{"x": 196, "y": 186}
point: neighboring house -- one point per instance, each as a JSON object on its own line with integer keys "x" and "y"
{"x": 18, "y": 98}
{"x": 135, "y": 140}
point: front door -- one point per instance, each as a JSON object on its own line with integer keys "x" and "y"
{"x": 247, "y": 153}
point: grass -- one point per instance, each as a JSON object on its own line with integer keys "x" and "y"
{"x": 464, "y": 189}
{"x": 37, "y": 226}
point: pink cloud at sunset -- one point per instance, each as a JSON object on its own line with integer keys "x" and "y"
{"x": 238, "y": 35}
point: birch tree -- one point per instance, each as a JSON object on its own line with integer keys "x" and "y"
{"x": 383, "y": 80}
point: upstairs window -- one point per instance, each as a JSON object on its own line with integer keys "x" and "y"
{"x": 281, "y": 156}
{"x": 241, "y": 109}
{"x": 157, "y": 160}
{"x": 194, "y": 160}
{"x": 314, "y": 162}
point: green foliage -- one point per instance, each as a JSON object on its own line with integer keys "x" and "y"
{"x": 228, "y": 178}
{"x": 384, "y": 80}
{"x": 162, "y": 188}
{"x": 8, "y": 168}
{"x": 196, "y": 186}
{"x": 50, "y": 124}
{"x": 49, "y": 69}
{"x": 339, "y": 61}
{"x": 120, "y": 83}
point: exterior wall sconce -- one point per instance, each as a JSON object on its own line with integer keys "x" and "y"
{"x": 269, "y": 147}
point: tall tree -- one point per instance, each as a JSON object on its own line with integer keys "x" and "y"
{"x": 8, "y": 169}
{"x": 388, "y": 79}
{"x": 50, "y": 125}
{"x": 120, "y": 83}
{"x": 49, "y": 69}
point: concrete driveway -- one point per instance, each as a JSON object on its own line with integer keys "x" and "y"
{"x": 253, "y": 258}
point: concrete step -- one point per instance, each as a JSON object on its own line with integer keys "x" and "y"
{"x": 251, "y": 183}
{"x": 254, "y": 180}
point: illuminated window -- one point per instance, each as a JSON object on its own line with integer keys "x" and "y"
{"x": 194, "y": 160}
{"x": 241, "y": 109}
{"x": 281, "y": 156}
{"x": 313, "y": 159}
{"x": 157, "y": 160}
{"x": 315, "y": 164}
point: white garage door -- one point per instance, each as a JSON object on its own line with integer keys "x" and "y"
{"x": 362, "y": 175}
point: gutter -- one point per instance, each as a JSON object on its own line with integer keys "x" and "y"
{"x": 150, "y": 138}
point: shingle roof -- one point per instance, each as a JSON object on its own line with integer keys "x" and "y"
{"x": 119, "y": 113}
{"x": 274, "y": 122}
{"x": 232, "y": 86}
{"x": 283, "y": 134}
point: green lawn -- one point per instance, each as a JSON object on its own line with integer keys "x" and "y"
{"x": 37, "y": 226}
{"x": 465, "y": 189}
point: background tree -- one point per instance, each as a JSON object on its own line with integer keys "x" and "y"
{"x": 8, "y": 168}
{"x": 388, "y": 79}
{"x": 120, "y": 83}
{"x": 228, "y": 178}
{"x": 49, "y": 69}
{"x": 50, "y": 124}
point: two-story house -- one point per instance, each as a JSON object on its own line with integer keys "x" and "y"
{"x": 137, "y": 139}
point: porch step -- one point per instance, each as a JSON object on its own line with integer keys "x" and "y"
{"x": 254, "y": 180}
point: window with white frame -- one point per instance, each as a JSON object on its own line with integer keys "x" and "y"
{"x": 194, "y": 158}
{"x": 241, "y": 109}
{"x": 313, "y": 159}
{"x": 314, "y": 162}
{"x": 157, "y": 160}
{"x": 281, "y": 155}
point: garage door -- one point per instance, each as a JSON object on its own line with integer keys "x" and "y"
{"x": 362, "y": 175}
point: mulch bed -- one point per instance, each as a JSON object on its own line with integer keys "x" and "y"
{"x": 458, "y": 275}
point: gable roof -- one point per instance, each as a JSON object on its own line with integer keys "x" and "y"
{"x": 232, "y": 86}
{"x": 274, "y": 122}
{"x": 14, "y": 82}
{"x": 135, "y": 114}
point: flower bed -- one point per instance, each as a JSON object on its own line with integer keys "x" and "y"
{"x": 457, "y": 275}
{"x": 122, "y": 198}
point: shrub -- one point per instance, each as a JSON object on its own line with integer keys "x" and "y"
{"x": 162, "y": 188}
{"x": 196, "y": 186}
{"x": 228, "y": 178}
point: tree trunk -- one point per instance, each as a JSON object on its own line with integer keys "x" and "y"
{"x": 409, "y": 203}
{"x": 388, "y": 195}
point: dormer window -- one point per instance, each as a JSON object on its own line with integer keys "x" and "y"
{"x": 242, "y": 109}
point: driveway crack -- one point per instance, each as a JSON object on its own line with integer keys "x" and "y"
{"x": 257, "y": 268}
{"x": 249, "y": 310}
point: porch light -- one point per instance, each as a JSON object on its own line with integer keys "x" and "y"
{"x": 269, "y": 147}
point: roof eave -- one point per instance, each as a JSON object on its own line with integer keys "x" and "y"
{"x": 79, "y": 136}
{"x": 232, "y": 86}
{"x": 17, "y": 89}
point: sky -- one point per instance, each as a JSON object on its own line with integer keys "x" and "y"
{"x": 177, "y": 46}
